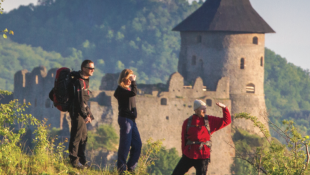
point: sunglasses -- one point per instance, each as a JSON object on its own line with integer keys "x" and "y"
{"x": 90, "y": 68}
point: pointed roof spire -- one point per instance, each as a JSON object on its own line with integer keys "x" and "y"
{"x": 225, "y": 15}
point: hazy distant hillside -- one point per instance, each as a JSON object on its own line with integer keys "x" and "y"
{"x": 15, "y": 57}
{"x": 114, "y": 33}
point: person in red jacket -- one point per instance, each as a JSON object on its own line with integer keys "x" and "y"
{"x": 196, "y": 138}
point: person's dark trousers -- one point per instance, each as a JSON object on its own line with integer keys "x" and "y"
{"x": 78, "y": 139}
{"x": 129, "y": 136}
{"x": 185, "y": 163}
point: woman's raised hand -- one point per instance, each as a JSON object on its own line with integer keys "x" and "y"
{"x": 133, "y": 77}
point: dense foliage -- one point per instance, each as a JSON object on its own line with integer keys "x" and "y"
{"x": 105, "y": 137}
{"x": 268, "y": 155}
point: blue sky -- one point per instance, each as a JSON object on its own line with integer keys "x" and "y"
{"x": 290, "y": 19}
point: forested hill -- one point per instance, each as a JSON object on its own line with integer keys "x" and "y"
{"x": 287, "y": 91}
{"x": 115, "y": 33}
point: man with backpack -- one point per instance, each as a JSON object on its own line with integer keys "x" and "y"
{"x": 196, "y": 138}
{"x": 71, "y": 93}
{"x": 80, "y": 114}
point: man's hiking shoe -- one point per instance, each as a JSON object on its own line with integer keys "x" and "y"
{"x": 86, "y": 165}
{"x": 79, "y": 166}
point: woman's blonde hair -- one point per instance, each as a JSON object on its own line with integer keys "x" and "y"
{"x": 123, "y": 76}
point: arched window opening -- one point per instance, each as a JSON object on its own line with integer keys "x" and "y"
{"x": 167, "y": 117}
{"x": 37, "y": 79}
{"x": 250, "y": 88}
{"x": 242, "y": 63}
{"x": 163, "y": 101}
{"x": 255, "y": 40}
{"x": 199, "y": 39}
{"x": 262, "y": 61}
{"x": 209, "y": 102}
{"x": 194, "y": 60}
{"x": 47, "y": 103}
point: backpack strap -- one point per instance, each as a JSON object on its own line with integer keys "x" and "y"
{"x": 189, "y": 122}
{"x": 83, "y": 83}
{"x": 207, "y": 125}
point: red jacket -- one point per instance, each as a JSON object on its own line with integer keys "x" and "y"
{"x": 201, "y": 134}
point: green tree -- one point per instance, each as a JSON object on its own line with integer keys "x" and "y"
{"x": 164, "y": 162}
{"x": 276, "y": 158}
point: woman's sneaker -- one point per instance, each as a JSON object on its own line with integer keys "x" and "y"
{"x": 79, "y": 166}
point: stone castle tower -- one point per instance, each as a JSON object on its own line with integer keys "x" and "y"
{"x": 226, "y": 38}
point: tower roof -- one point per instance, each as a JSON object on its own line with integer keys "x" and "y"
{"x": 225, "y": 15}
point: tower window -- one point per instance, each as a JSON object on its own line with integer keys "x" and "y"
{"x": 199, "y": 39}
{"x": 242, "y": 63}
{"x": 163, "y": 101}
{"x": 255, "y": 40}
{"x": 47, "y": 103}
{"x": 209, "y": 102}
{"x": 262, "y": 61}
{"x": 37, "y": 79}
{"x": 250, "y": 88}
{"x": 194, "y": 60}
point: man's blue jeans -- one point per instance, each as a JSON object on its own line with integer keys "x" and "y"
{"x": 129, "y": 136}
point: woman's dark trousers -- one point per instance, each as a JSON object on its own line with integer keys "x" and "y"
{"x": 129, "y": 136}
{"x": 78, "y": 139}
{"x": 201, "y": 166}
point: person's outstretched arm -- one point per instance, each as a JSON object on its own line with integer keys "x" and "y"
{"x": 217, "y": 123}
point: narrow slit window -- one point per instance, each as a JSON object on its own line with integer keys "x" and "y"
{"x": 255, "y": 40}
{"x": 250, "y": 88}
{"x": 242, "y": 63}
{"x": 199, "y": 39}
{"x": 201, "y": 63}
{"x": 47, "y": 103}
{"x": 262, "y": 61}
{"x": 163, "y": 101}
{"x": 194, "y": 60}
